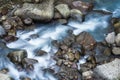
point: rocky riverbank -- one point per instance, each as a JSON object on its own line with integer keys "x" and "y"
{"x": 79, "y": 57}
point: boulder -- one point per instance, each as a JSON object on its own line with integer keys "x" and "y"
{"x": 28, "y": 63}
{"x": 82, "y": 6}
{"x": 102, "y": 53}
{"x": 40, "y": 53}
{"x": 117, "y": 39}
{"x": 17, "y": 56}
{"x": 76, "y": 14}
{"x": 110, "y": 38}
{"x": 4, "y": 77}
{"x": 43, "y": 11}
{"x": 109, "y": 71}
{"x": 63, "y": 9}
{"x": 116, "y": 50}
{"x": 10, "y": 38}
{"x": 86, "y": 40}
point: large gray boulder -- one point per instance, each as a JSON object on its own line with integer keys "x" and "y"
{"x": 109, "y": 71}
{"x": 43, "y": 11}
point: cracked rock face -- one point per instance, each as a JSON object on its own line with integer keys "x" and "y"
{"x": 42, "y": 12}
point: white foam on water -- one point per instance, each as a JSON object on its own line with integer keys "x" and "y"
{"x": 56, "y": 33}
{"x": 89, "y": 25}
{"x": 43, "y": 42}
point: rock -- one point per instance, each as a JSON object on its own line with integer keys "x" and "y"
{"x": 62, "y": 21}
{"x": 32, "y": 1}
{"x": 12, "y": 33}
{"x": 26, "y": 78}
{"x": 77, "y": 48}
{"x": 13, "y": 23}
{"x": 5, "y": 77}
{"x": 4, "y": 71}
{"x": 7, "y": 25}
{"x": 69, "y": 40}
{"x": 103, "y": 53}
{"x": 63, "y": 9}
{"x": 59, "y": 62}
{"x": 86, "y": 40}
{"x": 3, "y": 18}
{"x": 110, "y": 38}
{"x": 17, "y": 56}
{"x": 117, "y": 24}
{"x": 117, "y": 27}
{"x": 77, "y": 56}
{"x": 43, "y": 11}
{"x": 76, "y": 14}
{"x": 34, "y": 36}
{"x": 69, "y": 2}
{"x": 82, "y": 6}
{"x": 57, "y": 15}
{"x": 2, "y": 31}
{"x": 10, "y": 38}
{"x": 109, "y": 71}
{"x": 71, "y": 56}
{"x": 28, "y": 21}
{"x": 67, "y": 73}
{"x": 40, "y": 53}
{"x": 28, "y": 63}
{"x": 88, "y": 75}
{"x": 116, "y": 50}
{"x": 117, "y": 39}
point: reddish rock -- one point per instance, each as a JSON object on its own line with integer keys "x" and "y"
{"x": 82, "y": 6}
{"x": 10, "y": 38}
{"x": 86, "y": 40}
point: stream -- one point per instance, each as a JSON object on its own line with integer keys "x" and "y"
{"x": 97, "y": 24}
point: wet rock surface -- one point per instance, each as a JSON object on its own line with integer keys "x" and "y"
{"x": 28, "y": 63}
{"x": 17, "y": 56}
{"x": 40, "y": 53}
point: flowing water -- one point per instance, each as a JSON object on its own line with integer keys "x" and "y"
{"x": 96, "y": 24}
